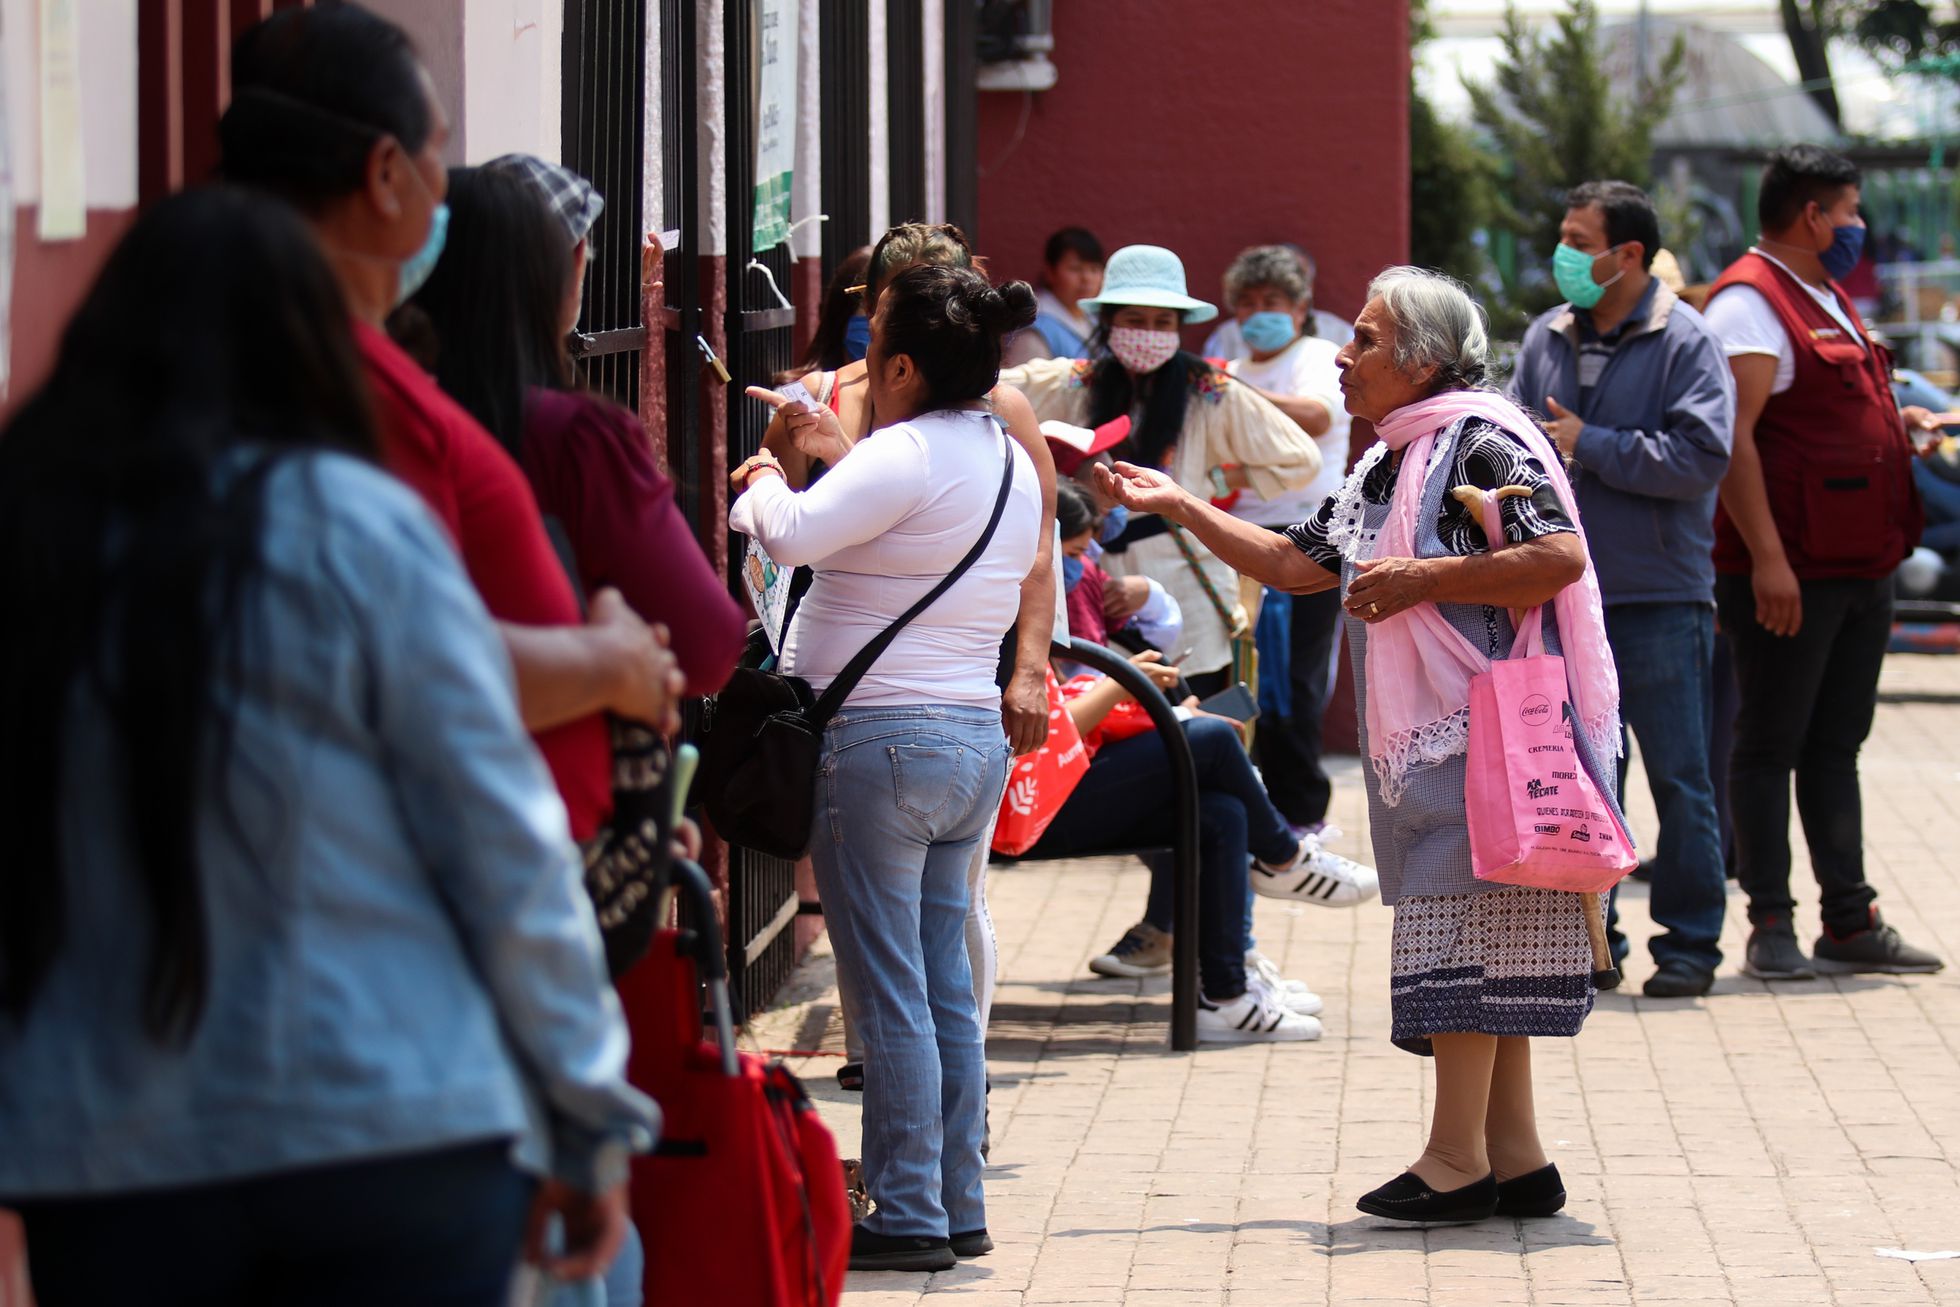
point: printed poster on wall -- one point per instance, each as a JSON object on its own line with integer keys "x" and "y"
{"x": 775, "y": 121}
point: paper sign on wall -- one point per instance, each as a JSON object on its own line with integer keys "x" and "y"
{"x": 775, "y": 121}
{"x": 64, "y": 200}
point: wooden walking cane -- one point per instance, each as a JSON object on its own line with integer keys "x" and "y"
{"x": 1605, "y": 974}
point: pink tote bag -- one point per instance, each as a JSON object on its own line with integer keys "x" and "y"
{"x": 1541, "y": 813}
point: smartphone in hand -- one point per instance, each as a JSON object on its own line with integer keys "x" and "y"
{"x": 1234, "y": 701}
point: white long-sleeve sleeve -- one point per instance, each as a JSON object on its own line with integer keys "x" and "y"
{"x": 879, "y": 485}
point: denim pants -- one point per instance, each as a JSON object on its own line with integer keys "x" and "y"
{"x": 1126, "y": 801}
{"x": 437, "y": 1227}
{"x": 1807, "y": 706}
{"x": 904, "y": 796}
{"x": 1664, "y": 654}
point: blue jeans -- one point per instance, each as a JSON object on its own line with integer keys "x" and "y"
{"x": 1126, "y": 801}
{"x": 904, "y": 796}
{"x": 1664, "y": 653}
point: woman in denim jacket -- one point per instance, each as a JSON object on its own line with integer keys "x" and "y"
{"x": 299, "y": 988}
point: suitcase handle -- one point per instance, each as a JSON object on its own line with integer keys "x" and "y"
{"x": 688, "y": 878}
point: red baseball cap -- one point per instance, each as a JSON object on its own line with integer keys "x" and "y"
{"x": 1073, "y": 446}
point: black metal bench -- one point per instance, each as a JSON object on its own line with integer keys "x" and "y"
{"x": 1183, "y": 852}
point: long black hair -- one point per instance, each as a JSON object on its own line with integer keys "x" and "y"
{"x": 130, "y": 524}
{"x": 496, "y": 299}
{"x": 1112, "y": 394}
{"x": 843, "y": 299}
{"x": 313, "y": 90}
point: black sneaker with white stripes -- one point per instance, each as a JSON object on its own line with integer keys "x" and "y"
{"x": 1254, "y": 1017}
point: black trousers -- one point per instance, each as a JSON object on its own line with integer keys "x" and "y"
{"x": 1289, "y": 748}
{"x": 430, "y": 1228}
{"x": 1806, "y": 707}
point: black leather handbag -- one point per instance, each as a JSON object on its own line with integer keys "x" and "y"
{"x": 762, "y": 736}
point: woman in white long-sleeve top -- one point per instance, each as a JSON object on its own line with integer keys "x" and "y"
{"x": 300, "y": 990}
{"x": 915, "y": 762}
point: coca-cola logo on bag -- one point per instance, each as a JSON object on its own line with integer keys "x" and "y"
{"x": 1536, "y": 710}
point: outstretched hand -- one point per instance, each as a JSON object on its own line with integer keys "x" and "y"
{"x": 813, "y": 429}
{"x": 1141, "y": 489}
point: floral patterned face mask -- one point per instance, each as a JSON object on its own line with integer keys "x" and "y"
{"x": 1141, "y": 350}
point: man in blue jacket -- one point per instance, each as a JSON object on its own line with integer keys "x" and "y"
{"x": 1638, "y": 394}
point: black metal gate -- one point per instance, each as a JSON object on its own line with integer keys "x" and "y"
{"x": 762, "y": 898}
{"x": 604, "y": 137}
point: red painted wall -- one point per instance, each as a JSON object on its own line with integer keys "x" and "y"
{"x": 1207, "y": 128}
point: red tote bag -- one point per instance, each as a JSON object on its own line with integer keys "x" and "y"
{"x": 1041, "y": 782}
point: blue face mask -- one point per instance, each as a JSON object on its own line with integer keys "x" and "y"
{"x": 1071, "y": 572}
{"x": 416, "y": 269}
{"x": 1114, "y": 521}
{"x": 857, "y": 337}
{"x": 1847, "y": 243}
{"x": 1268, "y": 330}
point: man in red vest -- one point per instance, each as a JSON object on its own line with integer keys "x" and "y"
{"x": 1817, "y": 509}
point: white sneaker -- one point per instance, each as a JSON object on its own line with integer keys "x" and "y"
{"x": 1316, "y": 875}
{"x": 1254, "y": 1017}
{"x": 1293, "y": 993}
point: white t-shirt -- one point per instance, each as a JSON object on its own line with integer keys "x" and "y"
{"x": 1746, "y": 324}
{"x": 880, "y": 529}
{"x": 1304, "y": 368}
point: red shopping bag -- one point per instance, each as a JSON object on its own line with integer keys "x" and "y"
{"x": 1541, "y": 810}
{"x": 1041, "y": 782}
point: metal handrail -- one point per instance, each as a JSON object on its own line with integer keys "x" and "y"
{"x": 1184, "y": 846}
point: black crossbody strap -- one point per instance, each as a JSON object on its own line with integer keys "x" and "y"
{"x": 847, "y": 680}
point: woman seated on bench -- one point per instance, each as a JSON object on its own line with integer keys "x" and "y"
{"x": 1243, "y": 998}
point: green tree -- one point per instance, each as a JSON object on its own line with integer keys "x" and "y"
{"x": 1894, "y": 32}
{"x": 1556, "y": 122}
{"x": 1452, "y": 181}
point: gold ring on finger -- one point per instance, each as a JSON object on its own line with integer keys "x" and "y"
{"x": 1374, "y": 609}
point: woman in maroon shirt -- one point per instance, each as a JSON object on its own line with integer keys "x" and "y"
{"x": 502, "y": 303}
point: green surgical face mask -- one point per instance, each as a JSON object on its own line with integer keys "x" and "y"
{"x": 1572, "y": 270}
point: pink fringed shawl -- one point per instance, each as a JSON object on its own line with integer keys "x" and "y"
{"x": 1419, "y": 666}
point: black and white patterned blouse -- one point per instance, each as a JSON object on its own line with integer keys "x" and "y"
{"x": 1486, "y": 456}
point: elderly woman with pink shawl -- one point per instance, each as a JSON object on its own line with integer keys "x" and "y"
{"x": 1479, "y": 968}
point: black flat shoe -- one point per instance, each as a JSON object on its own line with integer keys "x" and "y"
{"x": 1408, "y": 1197}
{"x": 972, "y": 1243}
{"x": 1536, "y": 1193}
{"x": 899, "y": 1252}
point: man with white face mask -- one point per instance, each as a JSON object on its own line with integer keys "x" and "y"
{"x": 1213, "y": 435}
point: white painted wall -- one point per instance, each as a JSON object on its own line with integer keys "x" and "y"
{"x": 881, "y": 136}
{"x": 513, "y": 51}
{"x": 934, "y": 31}
{"x": 651, "y": 160}
{"x": 711, "y": 129}
{"x": 107, "y": 33}
{"x": 806, "y": 187}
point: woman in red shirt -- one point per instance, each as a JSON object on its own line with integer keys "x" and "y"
{"x": 502, "y": 303}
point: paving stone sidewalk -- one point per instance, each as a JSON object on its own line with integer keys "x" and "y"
{"x": 1755, "y": 1147}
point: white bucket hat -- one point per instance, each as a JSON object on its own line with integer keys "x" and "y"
{"x": 1151, "y": 276}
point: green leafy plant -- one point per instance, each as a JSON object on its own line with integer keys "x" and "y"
{"x": 1554, "y": 121}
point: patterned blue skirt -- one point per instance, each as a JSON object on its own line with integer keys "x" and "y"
{"x": 1513, "y": 961}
